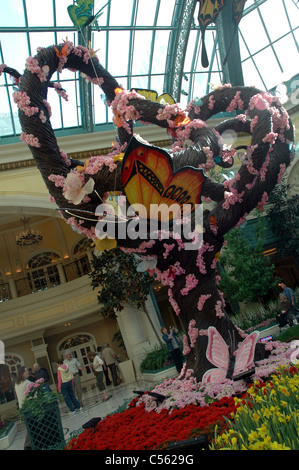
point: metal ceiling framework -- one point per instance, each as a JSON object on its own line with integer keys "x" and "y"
{"x": 182, "y": 39}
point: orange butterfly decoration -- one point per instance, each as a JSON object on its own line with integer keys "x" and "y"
{"x": 213, "y": 221}
{"x": 62, "y": 53}
{"x": 149, "y": 181}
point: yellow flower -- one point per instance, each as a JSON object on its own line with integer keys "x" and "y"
{"x": 105, "y": 244}
{"x": 81, "y": 168}
{"x": 266, "y": 412}
{"x": 253, "y": 435}
{"x": 119, "y": 157}
{"x": 262, "y": 430}
{"x": 276, "y": 446}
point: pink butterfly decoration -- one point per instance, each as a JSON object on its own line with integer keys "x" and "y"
{"x": 218, "y": 354}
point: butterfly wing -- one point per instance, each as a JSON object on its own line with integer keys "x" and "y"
{"x": 148, "y": 94}
{"x": 183, "y": 193}
{"x": 166, "y": 98}
{"x": 146, "y": 171}
{"x": 81, "y": 12}
{"x": 146, "y": 264}
{"x": 214, "y": 376}
{"x": 149, "y": 181}
{"x": 217, "y": 351}
{"x": 245, "y": 353}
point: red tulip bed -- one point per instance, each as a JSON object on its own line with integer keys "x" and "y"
{"x": 189, "y": 410}
{"x": 137, "y": 429}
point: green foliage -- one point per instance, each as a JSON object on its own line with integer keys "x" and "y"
{"x": 37, "y": 399}
{"x": 119, "y": 281}
{"x": 257, "y": 317}
{"x": 284, "y": 218}
{"x": 248, "y": 273}
{"x": 289, "y": 335}
{"x": 155, "y": 359}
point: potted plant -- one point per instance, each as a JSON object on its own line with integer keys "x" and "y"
{"x": 7, "y": 433}
{"x": 41, "y": 415}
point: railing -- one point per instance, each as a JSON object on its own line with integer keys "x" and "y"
{"x": 43, "y": 281}
{"x": 4, "y": 292}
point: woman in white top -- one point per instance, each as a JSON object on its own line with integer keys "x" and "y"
{"x": 97, "y": 366}
{"x": 21, "y": 385}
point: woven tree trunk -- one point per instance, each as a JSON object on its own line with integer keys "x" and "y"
{"x": 268, "y": 156}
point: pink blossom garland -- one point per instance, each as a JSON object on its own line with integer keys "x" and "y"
{"x": 199, "y": 260}
{"x": 218, "y": 308}
{"x": 29, "y": 139}
{"x": 23, "y": 101}
{"x": 173, "y": 302}
{"x": 186, "y": 346}
{"x": 167, "y": 113}
{"x": 143, "y": 247}
{"x": 60, "y": 91}
{"x": 58, "y": 180}
{"x": 231, "y": 198}
{"x": 168, "y": 249}
{"x": 33, "y": 67}
{"x": 211, "y": 102}
{"x": 281, "y": 172}
{"x": 2, "y": 67}
{"x": 202, "y": 300}
{"x": 78, "y": 225}
{"x": 263, "y": 201}
{"x": 191, "y": 283}
{"x": 48, "y": 107}
{"x": 121, "y": 106}
{"x": 258, "y": 102}
{"x": 270, "y": 138}
{"x": 236, "y": 102}
{"x": 65, "y": 157}
{"x": 192, "y": 333}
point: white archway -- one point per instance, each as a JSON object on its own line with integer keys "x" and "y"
{"x": 79, "y": 343}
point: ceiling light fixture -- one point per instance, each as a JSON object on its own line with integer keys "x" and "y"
{"x": 28, "y": 237}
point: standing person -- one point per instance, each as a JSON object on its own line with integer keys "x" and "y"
{"x": 74, "y": 366}
{"x": 105, "y": 368}
{"x": 110, "y": 358}
{"x": 21, "y": 385}
{"x": 41, "y": 373}
{"x": 290, "y": 296}
{"x": 31, "y": 375}
{"x": 97, "y": 366}
{"x": 173, "y": 345}
{"x": 283, "y": 317}
{"x": 65, "y": 386}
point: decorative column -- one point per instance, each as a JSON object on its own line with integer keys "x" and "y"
{"x": 138, "y": 338}
{"x": 12, "y": 287}
{"x": 61, "y": 273}
{"x": 39, "y": 349}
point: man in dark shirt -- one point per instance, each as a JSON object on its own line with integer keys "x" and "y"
{"x": 41, "y": 373}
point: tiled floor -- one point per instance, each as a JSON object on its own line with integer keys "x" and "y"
{"x": 93, "y": 407}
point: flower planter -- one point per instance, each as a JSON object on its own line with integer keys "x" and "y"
{"x": 271, "y": 331}
{"x": 46, "y": 433}
{"x": 159, "y": 375}
{"x": 8, "y": 435}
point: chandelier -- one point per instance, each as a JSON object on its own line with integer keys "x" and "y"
{"x": 28, "y": 237}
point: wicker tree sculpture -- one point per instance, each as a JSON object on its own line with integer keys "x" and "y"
{"x": 190, "y": 275}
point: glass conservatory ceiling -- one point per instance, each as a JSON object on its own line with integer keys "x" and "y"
{"x": 141, "y": 43}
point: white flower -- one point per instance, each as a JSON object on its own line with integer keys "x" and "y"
{"x": 73, "y": 189}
